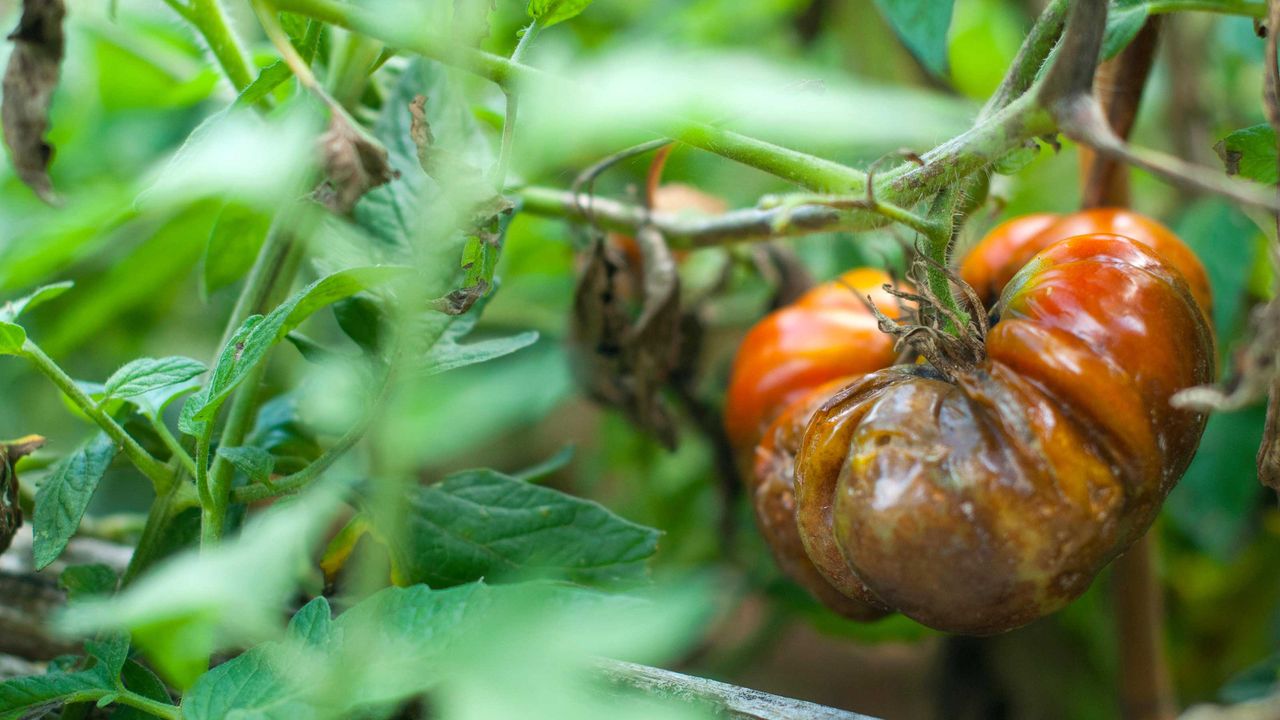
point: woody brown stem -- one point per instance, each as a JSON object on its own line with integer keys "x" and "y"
{"x": 1118, "y": 87}
{"x": 1146, "y": 690}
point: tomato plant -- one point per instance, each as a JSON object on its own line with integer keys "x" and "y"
{"x": 427, "y": 358}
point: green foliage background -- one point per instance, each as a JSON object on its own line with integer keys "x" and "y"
{"x": 158, "y": 278}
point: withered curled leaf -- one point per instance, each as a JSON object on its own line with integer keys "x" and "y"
{"x": 10, "y": 510}
{"x": 625, "y": 362}
{"x": 354, "y": 163}
{"x": 29, "y": 82}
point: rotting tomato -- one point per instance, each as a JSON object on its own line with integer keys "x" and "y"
{"x": 975, "y": 498}
{"x": 788, "y": 365}
{"x": 997, "y": 257}
{"x": 828, "y": 333}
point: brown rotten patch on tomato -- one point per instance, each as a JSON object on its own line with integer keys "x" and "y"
{"x": 978, "y": 501}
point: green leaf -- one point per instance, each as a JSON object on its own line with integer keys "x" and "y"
{"x": 198, "y": 602}
{"x": 258, "y": 334}
{"x": 85, "y": 580}
{"x": 360, "y": 318}
{"x": 442, "y": 350}
{"x": 402, "y": 642}
{"x": 923, "y": 26}
{"x": 483, "y": 524}
{"x": 13, "y": 309}
{"x": 12, "y": 338}
{"x": 146, "y": 375}
{"x": 233, "y": 245}
{"x": 1250, "y": 153}
{"x": 21, "y": 696}
{"x": 65, "y": 494}
{"x": 550, "y": 12}
{"x": 254, "y": 462}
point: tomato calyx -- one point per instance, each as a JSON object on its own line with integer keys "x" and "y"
{"x": 953, "y": 343}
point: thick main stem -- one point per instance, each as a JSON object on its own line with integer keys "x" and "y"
{"x": 1146, "y": 691}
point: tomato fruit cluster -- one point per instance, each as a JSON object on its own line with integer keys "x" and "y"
{"x": 978, "y": 499}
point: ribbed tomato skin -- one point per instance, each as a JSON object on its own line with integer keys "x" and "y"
{"x": 826, "y": 334}
{"x": 980, "y": 502}
{"x": 993, "y": 262}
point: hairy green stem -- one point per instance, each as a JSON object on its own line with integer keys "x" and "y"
{"x": 179, "y": 453}
{"x": 513, "y": 101}
{"x": 210, "y": 19}
{"x": 161, "y": 477}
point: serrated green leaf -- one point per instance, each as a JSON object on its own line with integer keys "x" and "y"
{"x": 146, "y": 375}
{"x": 550, "y": 12}
{"x": 20, "y": 696}
{"x": 254, "y": 462}
{"x": 1250, "y": 153}
{"x": 13, "y": 309}
{"x": 233, "y": 245}
{"x": 259, "y": 333}
{"x": 12, "y": 338}
{"x": 65, "y": 494}
{"x": 923, "y": 26}
{"x": 483, "y": 524}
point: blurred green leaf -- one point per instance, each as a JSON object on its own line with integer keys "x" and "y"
{"x": 1256, "y": 682}
{"x": 85, "y": 580}
{"x": 404, "y": 641}
{"x": 147, "y": 375}
{"x": 233, "y": 245}
{"x": 922, "y": 25}
{"x": 65, "y": 494}
{"x": 196, "y": 602}
{"x": 12, "y": 338}
{"x": 483, "y": 524}
{"x": 551, "y": 12}
{"x": 361, "y": 319}
{"x": 259, "y": 333}
{"x": 254, "y": 462}
{"x": 14, "y": 309}
{"x": 1250, "y": 153}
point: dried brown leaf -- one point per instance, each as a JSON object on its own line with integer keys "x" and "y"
{"x": 29, "y": 82}
{"x": 626, "y": 362}
{"x": 353, "y": 162}
{"x": 10, "y": 510}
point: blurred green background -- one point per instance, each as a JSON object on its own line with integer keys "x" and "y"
{"x": 135, "y": 84}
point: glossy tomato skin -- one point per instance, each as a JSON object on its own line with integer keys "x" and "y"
{"x": 772, "y": 486}
{"x": 826, "y": 334}
{"x": 979, "y": 503}
{"x": 997, "y": 257}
